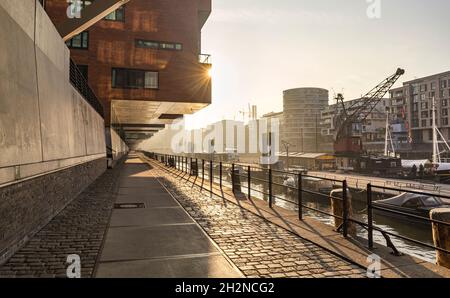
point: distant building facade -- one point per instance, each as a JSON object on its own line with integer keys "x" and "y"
{"x": 302, "y": 109}
{"x": 411, "y": 109}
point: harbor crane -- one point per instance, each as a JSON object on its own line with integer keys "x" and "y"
{"x": 348, "y": 120}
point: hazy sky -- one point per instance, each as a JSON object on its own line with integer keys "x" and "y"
{"x": 261, "y": 47}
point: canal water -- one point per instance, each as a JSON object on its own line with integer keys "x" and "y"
{"x": 287, "y": 199}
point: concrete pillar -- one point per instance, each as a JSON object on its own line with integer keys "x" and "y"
{"x": 441, "y": 235}
{"x": 337, "y": 210}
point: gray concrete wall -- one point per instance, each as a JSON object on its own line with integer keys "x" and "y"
{"x": 45, "y": 124}
{"x": 118, "y": 147}
{"x": 52, "y": 142}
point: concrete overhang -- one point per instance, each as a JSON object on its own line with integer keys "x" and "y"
{"x": 204, "y": 11}
{"x": 137, "y": 112}
{"x": 89, "y": 16}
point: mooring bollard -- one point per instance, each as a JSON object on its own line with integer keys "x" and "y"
{"x": 441, "y": 235}
{"x": 337, "y": 208}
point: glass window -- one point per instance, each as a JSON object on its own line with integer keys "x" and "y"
{"x": 117, "y": 15}
{"x": 159, "y": 45}
{"x": 412, "y": 203}
{"x": 80, "y": 41}
{"x": 151, "y": 80}
{"x": 134, "y": 79}
{"x": 430, "y": 202}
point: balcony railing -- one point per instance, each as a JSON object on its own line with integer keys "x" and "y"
{"x": 79, "y": 82}
{"x": 204, "y": 58}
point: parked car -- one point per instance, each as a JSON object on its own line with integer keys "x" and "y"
{"x": 414, "y": 204}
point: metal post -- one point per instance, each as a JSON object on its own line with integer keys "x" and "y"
{"x": 211, "y": 176}
{"x": 270, "y": 188}
{"x": 300, "y": 197}
{"x": 232, "y": 177}
{"x": 249, "y": 178}
{"x": 344, "y": 209}
{"x": 369, "y": 216}
{"x": 203, "y": 170}
{"x": 220, "y": 174}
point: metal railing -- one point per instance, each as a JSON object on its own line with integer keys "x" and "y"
{"x": 79, "y": 82}
{"x": 185, "y": 166}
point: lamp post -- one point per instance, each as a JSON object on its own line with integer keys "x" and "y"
{"x": 286, "y": 147}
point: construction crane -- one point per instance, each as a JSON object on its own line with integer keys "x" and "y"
{"x": 348, "y": 122}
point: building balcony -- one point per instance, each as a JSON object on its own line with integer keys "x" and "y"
{"x": 205, "y": 59}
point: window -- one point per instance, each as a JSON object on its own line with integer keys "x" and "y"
{"x": 424, "y": 105}
{"x": 117, "y": 15}
{"x": 134, "y": 79}
{"x": 444, "y": 112}
{"x": 441, "y": 93}
{"x": 422, "y": 97}
{"x": 80, "y": 41}
{"x": 445, "y": 102}
{"x": 431, "y": 201}
{"x": 159, "y": 45}
{"x": 444, "y": 121}
{"x": 424, "y": 123}
{"x": 433, "y": 86}
{"x": 84, "y": 70}
{"x": 424, "y": 114}
{"x": 423, "y": 88}
{"x": 443, "y": 84}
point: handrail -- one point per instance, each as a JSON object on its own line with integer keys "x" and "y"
{"x": 346, "y": 217}
{"x": 79, "y": 82}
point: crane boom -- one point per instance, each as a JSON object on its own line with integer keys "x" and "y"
{"x": 358, "y": 112}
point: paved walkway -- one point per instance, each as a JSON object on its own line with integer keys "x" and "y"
{"x": 258, "y": 247}
{"x": 78, "y": 229}
{"x": 159, "y": 240}
{"x": 208, "y": 237}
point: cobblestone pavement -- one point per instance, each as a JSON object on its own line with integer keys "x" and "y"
{"x": 78, "y": 229}
{"x": 257, "y": 247}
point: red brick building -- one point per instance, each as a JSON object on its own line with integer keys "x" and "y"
{"x": 144, "y": 60}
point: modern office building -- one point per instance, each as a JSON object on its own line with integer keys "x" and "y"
{"x": 411, "y": 107}
{"x": 301, "y": 118}
{"x": 144, "y": 62}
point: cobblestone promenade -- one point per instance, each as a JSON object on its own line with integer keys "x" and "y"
{"x": 78, "y": 229}
{"x": 257, "y": 247}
